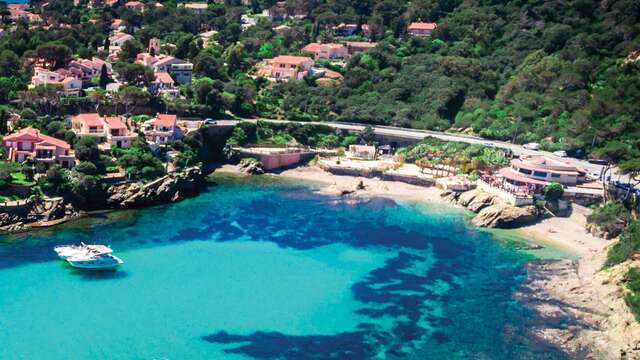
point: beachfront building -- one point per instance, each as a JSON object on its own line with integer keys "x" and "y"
{"x": 326, "y": 51}
{"x": 29, "y": 143}
{"x": 162, "y": 129}
{"x": 285, "y": 67}
{"x": 421, "y": 28}
{"x": 542, "y": 168}
{"x": 108, "y": 130}
{"x": 362, "y": 152}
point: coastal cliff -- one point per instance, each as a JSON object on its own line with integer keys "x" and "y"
{"x": 169, "y": 188}
{"x": 581, "y": 309}
{"x": 491, "y": 211}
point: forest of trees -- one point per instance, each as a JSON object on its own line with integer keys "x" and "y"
{"x": 562, "y": 73}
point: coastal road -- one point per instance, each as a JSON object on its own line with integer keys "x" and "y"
{"x": 414, "y": 134}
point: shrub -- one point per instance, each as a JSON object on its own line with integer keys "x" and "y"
{"x": 612, "y": 217}
{"x": 633, "y": 298}
{"x": 628, "y": 244}
{"x": 553, "y": 191}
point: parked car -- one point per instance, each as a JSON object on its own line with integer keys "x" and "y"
{"x": 599, "y": 161}
{"x": 531, "y": 146}
{"x": 560, "y": 153}
{"x": 593, "y": 176}
{"x": 490, "y": 145}
{"x": 209, "y": 121}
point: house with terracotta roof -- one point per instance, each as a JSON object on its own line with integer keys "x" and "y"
{"x": 198, "y": 8}
{"x": 88, "y": 124}
{"x": 162, "y": 129}
{"x": 119, "y": 38}
{"x": 326, "y": 51}
{"x": 285, "y": 67}
{"x": 30, "y": 143}
{"x": 164, "y": 85}
{"x": 359, "y": 46}
{"x": 68, "y": 81}
{"x": 22, "y": 15}
{"x": 89, "y": 68}
{"x": 421, "y": 28}
{"x": 180, "y": 70}
{"x": 345, "y": 29}
{"x": 109, "y": 130}
{"x": 117, "y": 132}
{"x": 134, "y": 6}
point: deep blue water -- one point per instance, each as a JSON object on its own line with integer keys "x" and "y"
{"x": 268, "y": 270}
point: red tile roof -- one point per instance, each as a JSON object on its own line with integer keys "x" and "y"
{"x": 166, "y": 119}
{"x": 35, "y": 134}
{"x": 115, "y": 122}
{"x": 287, "y": 59}
{"x": 422, "y": 26}
{"x": 91, "y": 119}
{"x": 163, "y": 77}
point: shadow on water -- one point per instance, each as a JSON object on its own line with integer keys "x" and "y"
{"x": 274, "y": 345}
{"x": 95, "y": 274}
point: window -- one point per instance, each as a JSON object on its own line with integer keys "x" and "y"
{"x": 525, "y": 171}
{"x": 540, "y": 174}
{"x": 555, "y": 175}
{"x": 283, "y": 66}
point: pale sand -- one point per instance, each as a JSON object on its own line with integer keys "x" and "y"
{"x": 567, "y": 234}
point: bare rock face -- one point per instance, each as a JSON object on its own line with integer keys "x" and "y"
{"x": 16, "y": 218}
{"x": 492, "y": 211}
{"x": 251, "y": 166}
{"x": 481, "y": 201}
{"x": 169, "y": 188}
{"x": 505, "y": 216}
{"x": 467, "y": 197}
{"x": 580, "y": 308}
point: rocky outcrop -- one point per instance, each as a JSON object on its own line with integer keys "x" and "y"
{"x": 169, "y": 188}
{"x": 492, "y": 211}
{"x": 251, "y": 166}
{"x": 20, "y": 217}
{"x": 505, "y": 216}
{"x": 581, "y": 309}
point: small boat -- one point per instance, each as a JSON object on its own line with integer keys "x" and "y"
{"x": 66, "y": 251}
{"x": 94, "y": 261}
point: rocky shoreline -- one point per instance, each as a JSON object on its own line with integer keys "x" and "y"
{"x": 491, "y": 211}
{"x": 52, "y": 211}
{"x": 580, "y": 308}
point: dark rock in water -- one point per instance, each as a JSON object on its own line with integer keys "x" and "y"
{"x": 169, "y": 188}
{"x": 251, "y": 166}
{"x": 505, "y": 216}
{"x": 17, "y": 217}
{"x": 495, "y": 213}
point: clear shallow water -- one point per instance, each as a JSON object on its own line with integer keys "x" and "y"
{"x": 268, "y": 271}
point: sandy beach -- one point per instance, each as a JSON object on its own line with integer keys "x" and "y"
{"x": 567, "y": 234}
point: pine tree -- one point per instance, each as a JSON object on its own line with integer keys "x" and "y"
{"x": 104, "y": 77}
{"x": 4, "y": 120}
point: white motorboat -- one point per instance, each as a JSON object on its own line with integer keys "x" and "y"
{"x": 96, "y": 261}
{"x": 66, "y": 251}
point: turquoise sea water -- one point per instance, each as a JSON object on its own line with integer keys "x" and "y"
{"x": 267, "y": 270}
